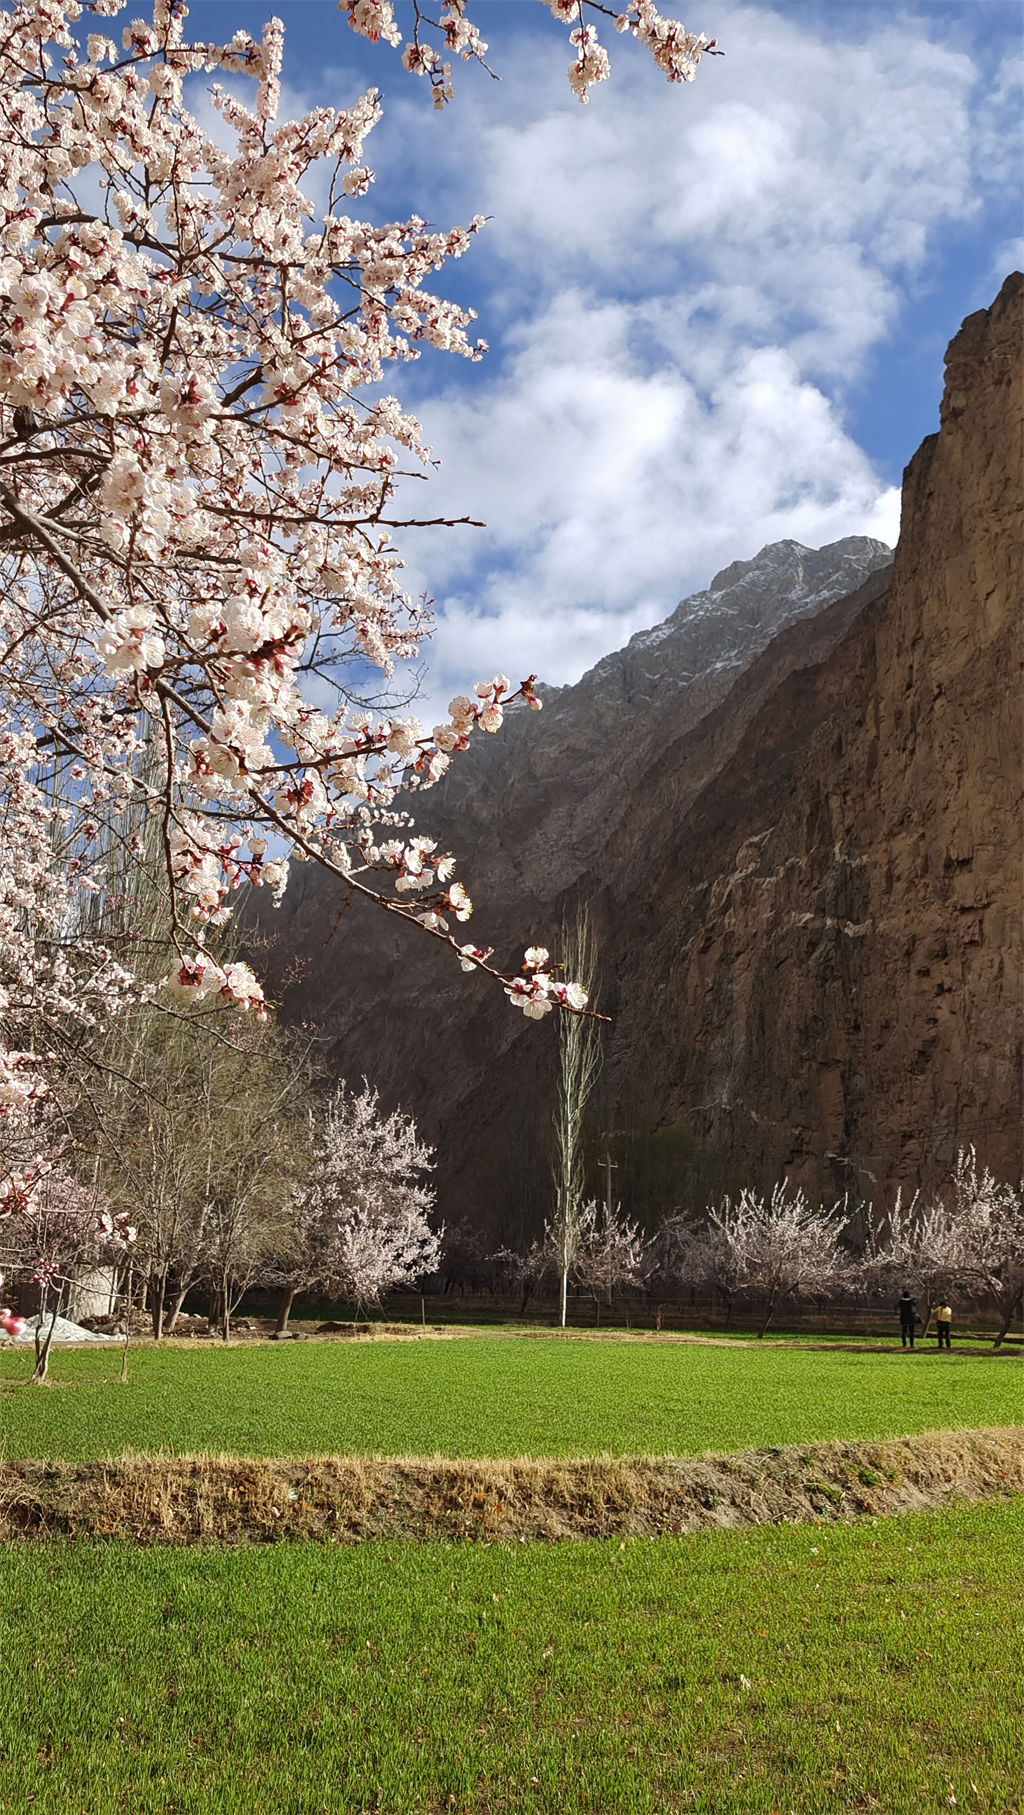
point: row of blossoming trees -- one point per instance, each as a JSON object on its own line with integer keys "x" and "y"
{"x": 348, "y": 1215}
{"x": 776, "y": 1248}
{"x": 201, "y": 470}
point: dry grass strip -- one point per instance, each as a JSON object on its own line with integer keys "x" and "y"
{"x": 233, "y": 1500}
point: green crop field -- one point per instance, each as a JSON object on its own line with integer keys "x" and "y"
{"x": 787, "y": 1669}
{"x": 490, "y": 1398}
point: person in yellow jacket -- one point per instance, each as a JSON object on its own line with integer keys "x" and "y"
{"x": 943, "y": 1319}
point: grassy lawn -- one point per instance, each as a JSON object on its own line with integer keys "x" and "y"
{"x": 490, "y": 1399}
{"x": 786, "y": 1670}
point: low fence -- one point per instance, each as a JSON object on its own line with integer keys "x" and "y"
{"x": 690, "y": 1311}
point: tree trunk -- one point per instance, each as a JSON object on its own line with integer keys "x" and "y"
{"x": 283, "y": 1309}
{"x": 44, "y": 1342}
{"x": 766, "y": 1320}
{"x": 1007, "y": 1320}
{"x": 597, "y": 1307}
{"x": 527, "y": 1295}
{"x": 565, "y": 1294}
{"x": 171, "y": 1323}
{"x": 217, "y": 1307}
{"x": 157, "y": 1297}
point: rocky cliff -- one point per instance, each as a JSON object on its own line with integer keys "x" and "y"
{"x": 795, "y": 811}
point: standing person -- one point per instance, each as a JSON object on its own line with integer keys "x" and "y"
{"x": 907, "y": 1308}
{"x": 943, "y": 1319}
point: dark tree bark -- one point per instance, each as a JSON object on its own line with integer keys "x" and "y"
{"x": 766, "y": 1319}
{"x": 44, "y": 1340}
{"x": 284, "y": 1307}
{"x": 184, "y": 1288}
{"x": 157, "y": 1301}
{"x": 1008, "y": 1311}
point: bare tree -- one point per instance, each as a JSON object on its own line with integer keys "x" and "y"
{"x": 579, "y": 1063}
{"x": 782, "y": 1245}
{"x": 523, "y": 1272}
{"x": 255, "y": 1140}
{"x": 224, "y": 1102}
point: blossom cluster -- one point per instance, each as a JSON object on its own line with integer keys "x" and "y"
{"x": 51, "y": 974}
{"x": 537, "y": 992}
{"x": 676, "y": 51}
{"x": 591, "y": 63}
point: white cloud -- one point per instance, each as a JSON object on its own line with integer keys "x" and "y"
{"x": 689, "y": 282}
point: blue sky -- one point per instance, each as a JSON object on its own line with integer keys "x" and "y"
{"x": 717, "y": 313}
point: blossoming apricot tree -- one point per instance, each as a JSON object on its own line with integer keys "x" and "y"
{"x": 72, "y": 1228}
{"x": 198, "y": 472}
{"x": 359, "y": 1223}
{"x": 782, "y": 1245}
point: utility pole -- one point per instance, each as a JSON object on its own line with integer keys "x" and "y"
{"x": 610, "y": 1166}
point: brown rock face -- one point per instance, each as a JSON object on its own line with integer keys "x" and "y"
{"x": 841, "y": 935}
{"x": 802, "y": 849}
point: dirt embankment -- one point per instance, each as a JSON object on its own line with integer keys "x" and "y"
{"x": 232, "y": 1500}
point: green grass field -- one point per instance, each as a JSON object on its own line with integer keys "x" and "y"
{"x": 786, "y": 1670}
{"x": 490, "y": 1398}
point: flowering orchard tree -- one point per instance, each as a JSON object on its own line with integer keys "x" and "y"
{"x": 71, "y": 1229}
{"x": 782, "y": 1245}
{"x": 971, "y": 1239}
{"x": 361, "y": 1224}
{"x": 920, "y": 1244}
{"x": 611, "y": 1252}
{"x": 991, "y": 1218}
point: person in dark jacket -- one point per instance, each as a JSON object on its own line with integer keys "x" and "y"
{"x": 909, "y": 1320}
